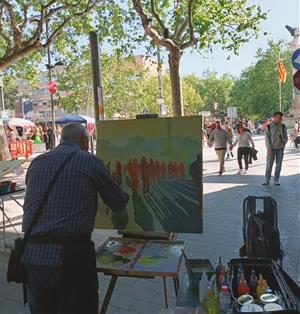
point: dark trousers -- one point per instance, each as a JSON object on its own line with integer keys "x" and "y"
{"x": 243, "y": 152}
{"x": 70, "y": 289}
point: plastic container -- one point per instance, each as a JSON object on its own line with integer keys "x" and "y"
{"x": 224, "y": 300}
{"x": 5, "y": 187}
{"x": 203, "y": 287}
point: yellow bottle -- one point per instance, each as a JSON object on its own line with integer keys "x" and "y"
{"x": 260, "y": 284}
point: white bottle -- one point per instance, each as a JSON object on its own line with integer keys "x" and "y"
{"x": 224, "y": 300}
{"x": 203, "y": 287}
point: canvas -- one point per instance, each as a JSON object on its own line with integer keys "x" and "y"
{"x": 158, "y": 162}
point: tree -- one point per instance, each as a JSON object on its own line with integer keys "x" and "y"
{"x": 178, "y": 25}
{"x": 256, "y": 91}
{"x": 128, "y": 88}
{"x": 215, "y": 90}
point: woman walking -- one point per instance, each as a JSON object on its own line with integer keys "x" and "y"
{"x": 244, "y": 140}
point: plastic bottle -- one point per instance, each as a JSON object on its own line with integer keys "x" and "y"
{"x": 260, "y": 286}
{"x": 203, "y": 287}
{"x": 221, "y": 277}
{"x": 253, "y": 282}
{"x": 211, "y": 304}
{"x": 219, "y": 267}
{"x": 224, "y": 300}
{"x": 243, "y": 288}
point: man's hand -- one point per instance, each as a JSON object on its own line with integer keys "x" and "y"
{"x": 120, "y": 219}
{"x": 270, "y": 151}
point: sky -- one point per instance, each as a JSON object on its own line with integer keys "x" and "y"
{"x": 280, "y": 13}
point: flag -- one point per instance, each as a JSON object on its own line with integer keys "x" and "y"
{"x": 281, "y": 71}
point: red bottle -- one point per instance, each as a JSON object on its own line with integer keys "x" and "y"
{"x": 243, "y": 288}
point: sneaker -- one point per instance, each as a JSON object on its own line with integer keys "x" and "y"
{"x": 245, "y": 172}
{"x": 240, "y": 171}
{"x": 232, "y": 154}
{"x": 265, "y": 183}
{"x": 276, "y": 183}
{"x": 227, "y": 157}
{"x": 220, "y": 172}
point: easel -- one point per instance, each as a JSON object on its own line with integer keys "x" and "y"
{"x": 132, "y": 273}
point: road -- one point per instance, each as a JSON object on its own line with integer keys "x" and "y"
{"x": 222, "y": 234}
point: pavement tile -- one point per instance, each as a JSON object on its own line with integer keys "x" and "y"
{"x": 146, "y": 307}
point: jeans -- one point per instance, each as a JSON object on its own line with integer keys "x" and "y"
{"x": 243, "y": 152}
{"x": 277, "y": 154}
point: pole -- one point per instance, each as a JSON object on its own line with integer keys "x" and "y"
{"x": 280, "y": 86}
{"x": 50, "y": 79}
{"x": 97, "y": 77}
{"x": 2, "y": 107}
{"x": 280, "y": 95}
{"x": 159, "y": 72}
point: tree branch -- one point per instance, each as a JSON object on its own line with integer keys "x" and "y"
{"x": 17, "y": 35}
{"x": 180, "y": 29}
{"x": 22, "y": 47}
{"x": 156, "y": 16}
{"x": 55, "y": 33}
{"x": 25, "y": 20}
{"x": 190, "y": 18}
{"x": 150, "y": 31}
{"x": 2, "y": 33}
{"x": 191, "y": 42}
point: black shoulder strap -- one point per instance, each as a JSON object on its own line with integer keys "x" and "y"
{"x": 45, "y": 197}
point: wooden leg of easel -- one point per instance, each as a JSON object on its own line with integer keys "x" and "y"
{"x": 108, "y": 294}
{"x": 176, "y": 286}
{"x": 165, "y": 291}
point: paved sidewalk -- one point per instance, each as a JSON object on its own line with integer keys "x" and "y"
{"x": 223, "y": 197}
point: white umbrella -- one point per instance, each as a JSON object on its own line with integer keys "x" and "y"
{"x": 20, "y": 122}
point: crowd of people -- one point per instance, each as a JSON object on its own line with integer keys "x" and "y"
{"x": 38, "y": 134}
{"x": 225, "y": 137}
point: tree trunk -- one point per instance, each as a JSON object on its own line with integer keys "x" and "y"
{"x": 176, "y": 89}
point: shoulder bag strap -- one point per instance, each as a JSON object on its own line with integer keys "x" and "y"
{"x": 45, "y": 197}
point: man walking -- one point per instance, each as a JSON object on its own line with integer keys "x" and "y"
{"x": 59, "y": 256}
{"x": 220, "y": 138}
{"x": 276, "y": 138}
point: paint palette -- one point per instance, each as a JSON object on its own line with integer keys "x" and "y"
{"x": 118, "y": 253}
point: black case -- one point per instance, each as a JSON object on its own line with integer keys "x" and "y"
{"x": 275, "y": 277}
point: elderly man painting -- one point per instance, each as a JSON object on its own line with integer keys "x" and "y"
{"x": 59, "y": 257}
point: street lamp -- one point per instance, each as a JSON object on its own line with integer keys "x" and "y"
{"x": 49, "y": 67}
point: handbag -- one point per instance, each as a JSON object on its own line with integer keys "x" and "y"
{"x": 15, "y": 269}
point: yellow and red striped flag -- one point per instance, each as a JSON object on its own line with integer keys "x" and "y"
{"x": 281, "y": 71}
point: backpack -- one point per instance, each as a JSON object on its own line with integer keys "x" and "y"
{"x": 260, "y": 230}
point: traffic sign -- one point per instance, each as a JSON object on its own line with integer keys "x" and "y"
{"x": 231, "y": 112}
{"x": 296, "y": 79}
{"x": 4, "y": 116}
{"x": 53, "y": 88}
{"x": 296, "y": 59}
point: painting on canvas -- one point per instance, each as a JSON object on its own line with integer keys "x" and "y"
{"x": 158, "y": 162}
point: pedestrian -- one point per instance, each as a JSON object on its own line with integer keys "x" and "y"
{"x": 220, "y": 138}
{"x": 244, "y": 140}
{"x": 59, "y": 256}
{"x": 230, "y": 132}
{"x": 276, "y": 138}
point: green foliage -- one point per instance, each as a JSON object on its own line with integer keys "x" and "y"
{"x": 212, "y": 89}
{"x": 128, "y": 89}
{"x": 10, "y": 92}
{"x": 256, "y": 92}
